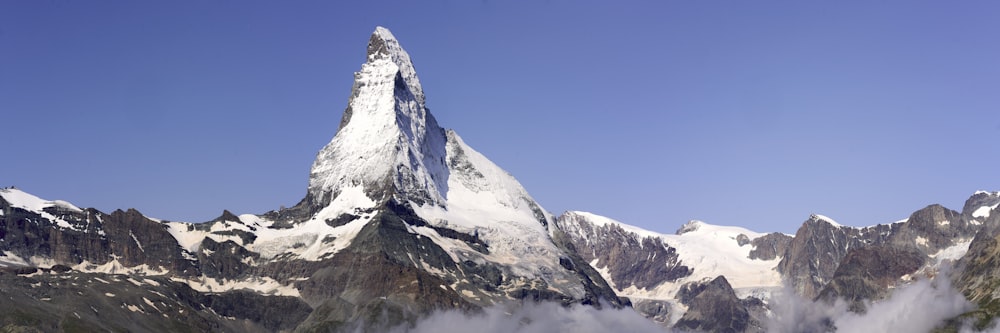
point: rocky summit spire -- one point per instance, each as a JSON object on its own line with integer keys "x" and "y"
{"x": 387, "y": 143}
{"x": 383, "y": 45}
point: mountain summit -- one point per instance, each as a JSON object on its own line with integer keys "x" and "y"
{"x": 402, "y": 218}
{"x": 387, "y": 140}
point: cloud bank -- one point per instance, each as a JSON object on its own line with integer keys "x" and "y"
{"x": 537, "y": 318}
{"x": 917, "y": 307}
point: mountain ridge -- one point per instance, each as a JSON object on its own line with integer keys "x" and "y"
{"x": 402, "y": 219}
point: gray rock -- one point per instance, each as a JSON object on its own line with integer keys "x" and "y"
{"x": 713, "y": 307}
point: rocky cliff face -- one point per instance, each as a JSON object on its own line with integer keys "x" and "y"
{"x": 819, "y": 247}
{"x": 401, "y": 218}
{"x": 613, "y": 248}
{"x": 976, "y": 273}
{"x": 867, "y": 273}
{"x": 714, "y": 307}
{"x": 692, "y": 289}
{"x": 46, "y": 232}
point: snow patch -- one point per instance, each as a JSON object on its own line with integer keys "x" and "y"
{"x": 20, "y": 199}
{"x": 9, "y": 259}
{"x": 136, "y": 240}
{"x": 827, "y": 219}
{"x": 186, "y": 235}
{"x": 150, "y": 303}
{"x": 984, "y": 211}
{"x": 953, "y": 252}
{"x": 115, "y": 267}
{"x": 710, "y": 250}
{"x": 27, "y": 201}
{"x": 262, "y": 285}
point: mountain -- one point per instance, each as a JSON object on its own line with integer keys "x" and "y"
{"x": 652, "y": 268}
{"x": 402, "y": 219}
{"x": 824, "y": 261}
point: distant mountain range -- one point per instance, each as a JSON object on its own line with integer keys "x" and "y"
{"x": 402, "y": 219}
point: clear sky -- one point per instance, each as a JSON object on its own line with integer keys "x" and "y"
{"x": 752, "y": 113}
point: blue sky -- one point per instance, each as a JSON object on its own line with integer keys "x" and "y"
{"x": 753, "y": 113}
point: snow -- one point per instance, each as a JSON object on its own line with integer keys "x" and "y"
{"x": 20, "y": 199}
{"x": 150, "y": 303}
{"x": 827, "y": 219}
{"x": 483, "y": 199}
{"x": 136, "y": 240}
{"x": 921, "y": 241}
{"x": 305, "y": 240}
{"x": 263, "y": 285}
{"x": 27, "y": 201}
{"x": 984, "y": 211}
{"x": 391, "y": 137}
{"x": 710, "y": 250}
{"x": 387, "y": 133}
{"x": 953, "y": 252}
{"x": 115, "y": 267}
{"x": 188, "y": 239}
{"x": 134, "y": 282}
{"x": 9, "y": 259}
{"x": 109, "y": 294}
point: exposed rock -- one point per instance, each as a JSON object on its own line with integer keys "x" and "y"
{"x": 742, "y": 239}
{"x": 656, "y": 310}
{"x": 95, "y": 238}
{"x": 866, "y": 274}
{"x": 713, "y": 307}
{"x": 73, "y": 301}
{"x": 931, "y": 229}
{"x": 812, "y": 257}
{"x": 770, "y": 246}
{"x": 630, "y": 260}
{"x": 977, "y": 274}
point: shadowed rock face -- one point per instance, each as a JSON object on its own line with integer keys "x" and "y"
{"x": 770, "y": 246}
{"x": 70, "y": 301}
{"x": 866, "y": 273}
{"x": 382, "y": 279}
{"x": 931, "y": 229}
{"x": 713, "y": 307}
{"x": 818, "y": 248}
{"x": 812, "y": 256}
{"x": 95, "y": 237}
{"x": 631, "y": 260}
{"x": 977, "y": 274}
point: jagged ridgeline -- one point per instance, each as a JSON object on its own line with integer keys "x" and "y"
{"x": 402, "y": 219}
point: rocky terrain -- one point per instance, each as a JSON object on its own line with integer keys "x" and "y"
{"x": 402, "y": 219}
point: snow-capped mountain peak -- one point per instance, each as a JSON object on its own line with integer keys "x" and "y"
{"x": 383, "y": 45}
{"x": 387, "y": 140}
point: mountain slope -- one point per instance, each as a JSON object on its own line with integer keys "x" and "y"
{"x": 401, "y": 218}
{"x": 652, "y": 268}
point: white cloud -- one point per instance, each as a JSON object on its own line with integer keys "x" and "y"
{"x": 540, "y": 317}
{"x": 917, "y": 307}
